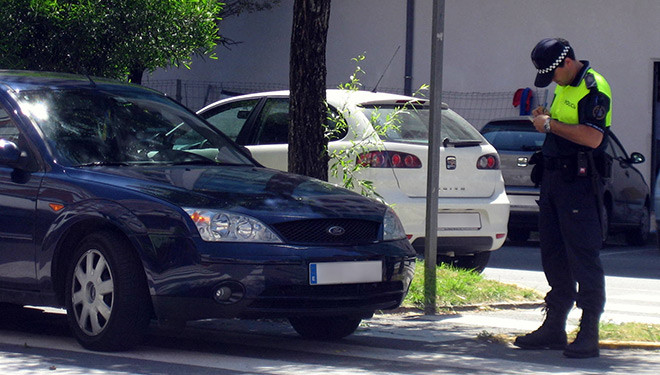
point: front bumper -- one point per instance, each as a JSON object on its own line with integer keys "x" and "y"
{"x": 263, "y": 286}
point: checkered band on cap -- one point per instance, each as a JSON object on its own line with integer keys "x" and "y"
{"x": 558, "y": 61}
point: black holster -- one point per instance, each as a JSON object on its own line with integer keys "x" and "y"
{"x": 537, "y": 171}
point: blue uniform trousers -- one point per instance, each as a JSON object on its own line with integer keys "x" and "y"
{"x": 571, "y": 238}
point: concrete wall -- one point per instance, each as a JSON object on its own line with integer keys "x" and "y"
{"x": 487, "y": 47}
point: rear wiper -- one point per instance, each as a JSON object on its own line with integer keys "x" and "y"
{"x": 469, "y": 143}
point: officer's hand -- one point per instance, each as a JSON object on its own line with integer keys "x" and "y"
{"x": 540, "y": 110}
{"x": 539, "y": 121}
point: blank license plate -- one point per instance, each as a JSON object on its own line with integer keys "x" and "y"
{"x": 459, "y": 221}
{"x": 345, "y": 272}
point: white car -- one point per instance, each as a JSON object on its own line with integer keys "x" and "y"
{"x": 473, "y": 206}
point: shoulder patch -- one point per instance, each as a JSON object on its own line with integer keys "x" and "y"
{"x": 599, "y": 112}
{"x": 590, "y": 81}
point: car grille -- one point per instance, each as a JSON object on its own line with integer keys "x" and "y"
{"x": 329, "y": 231}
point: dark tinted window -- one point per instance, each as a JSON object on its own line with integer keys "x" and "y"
{"x": 513, "y": 136}
{"x": 84, "y": 126}
{"x": 273, "y": 122}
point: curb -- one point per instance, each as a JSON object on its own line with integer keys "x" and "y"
{"x": 603, "y": 344}
{"x": 473, "y": 307}
{"x": 612, "y": 344}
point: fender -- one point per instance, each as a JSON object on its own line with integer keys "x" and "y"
{"x": 81, "y": 218}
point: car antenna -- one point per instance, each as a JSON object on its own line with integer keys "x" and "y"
{"x": 90, "y": 80}
{"x": 387, "y": 67}
{"x": 86, "y": 74}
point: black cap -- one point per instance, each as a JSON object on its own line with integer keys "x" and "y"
{"x": 546, "y": 56}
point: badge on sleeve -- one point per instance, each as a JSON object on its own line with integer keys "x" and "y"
{"x": 599, "y": 112}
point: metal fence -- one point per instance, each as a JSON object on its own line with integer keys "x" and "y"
{"x": 476, "y": 107}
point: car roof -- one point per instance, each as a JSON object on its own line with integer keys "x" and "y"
{"x": 19, "y": 80}
{"x": 352, "y": 96}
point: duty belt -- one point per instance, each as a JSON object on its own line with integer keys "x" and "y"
{"x": 559, "y": 163}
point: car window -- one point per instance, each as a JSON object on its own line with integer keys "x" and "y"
{"x": 231, "y": 117}
{"x": 85, "y": 127}
{"x": 336, "y": 125}
{"x": 273, "y": 123}
{"x": 615, "y": 150}
{"x": 513, "y": 136}
{"x": 8, "y": 131}
{"x": 410, "y": 124}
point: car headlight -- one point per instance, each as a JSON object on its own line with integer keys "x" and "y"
{"x": 392, "y": 227}
{"x": 217, "y": 225}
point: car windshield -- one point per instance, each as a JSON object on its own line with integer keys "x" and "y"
{"x": 410, "y": 124}
{"x": 513, "y": 136}
{"x": 122, "y": 127}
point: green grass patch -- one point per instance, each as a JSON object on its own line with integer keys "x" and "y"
{"x": 628, "y": 332}
{"x": 456, "y": 287}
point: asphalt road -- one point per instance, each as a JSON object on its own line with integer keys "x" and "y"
{"x": 38, "y": 342}
{"x": 632, "y": 277}
{"x": 619, "y": 259}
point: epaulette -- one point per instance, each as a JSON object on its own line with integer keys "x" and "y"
{"x": 590, "y": 81}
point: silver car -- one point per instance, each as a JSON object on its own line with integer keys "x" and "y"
{"x": 626, "y": 197}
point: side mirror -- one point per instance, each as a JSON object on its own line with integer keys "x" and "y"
{"x": 10, "y": 155}
{"x": 636, "y": 158}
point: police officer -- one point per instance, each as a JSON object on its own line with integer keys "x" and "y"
{"x": 570, "y": 230}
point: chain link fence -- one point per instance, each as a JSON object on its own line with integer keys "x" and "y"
{"x": 476, "y": 107}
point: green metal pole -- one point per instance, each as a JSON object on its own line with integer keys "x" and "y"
{"x": 433, "y": 174}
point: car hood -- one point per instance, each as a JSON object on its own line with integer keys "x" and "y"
{"x": 259, "y": 192}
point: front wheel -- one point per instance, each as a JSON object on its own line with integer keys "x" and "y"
{"x": 107, "y": 299}
{"x": 640, "y": 234}
{"x": 325, "y": 328}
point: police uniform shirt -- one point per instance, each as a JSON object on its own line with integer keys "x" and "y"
{"x": 593, "y": 110}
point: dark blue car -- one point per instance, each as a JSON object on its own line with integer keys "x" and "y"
{"x": 123, "y": 206}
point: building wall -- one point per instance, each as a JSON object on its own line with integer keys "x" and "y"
{"x": 486, "y": 48}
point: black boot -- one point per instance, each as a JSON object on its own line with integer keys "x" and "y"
{"x": 550, "y": 335}
{"x": 586, "y": 342}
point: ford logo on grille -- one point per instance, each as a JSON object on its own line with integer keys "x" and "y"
{"x": 336, "y": 230}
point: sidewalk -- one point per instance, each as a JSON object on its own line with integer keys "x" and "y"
{"x": 502, "y": 321}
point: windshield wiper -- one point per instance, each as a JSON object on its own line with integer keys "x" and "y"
{"x": 467, "y": 143}
{"x": 104, "y": 164}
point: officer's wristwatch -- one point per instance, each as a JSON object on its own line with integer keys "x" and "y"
{"x": 546, "y": 125}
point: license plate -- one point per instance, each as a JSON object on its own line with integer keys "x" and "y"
{"x": 345, "y": 272}
{"x": 459, "y": 221}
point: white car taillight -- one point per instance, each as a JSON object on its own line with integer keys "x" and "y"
{"x": 389, "y": 159}
{"x": 491, "y": 161}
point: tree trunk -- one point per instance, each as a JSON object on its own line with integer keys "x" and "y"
{"x": 135, "y": 75}
{"x": 307, "y": 145}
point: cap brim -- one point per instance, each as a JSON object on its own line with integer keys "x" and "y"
{"x": 543, "y": 80}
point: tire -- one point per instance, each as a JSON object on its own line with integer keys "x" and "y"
{"x": 107, "y": 300}
{"x": 518, "y": 235}
{"x": 640, "y": 235}
{"x": 325, "y": 328}
{"x": 476, "y": 262}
